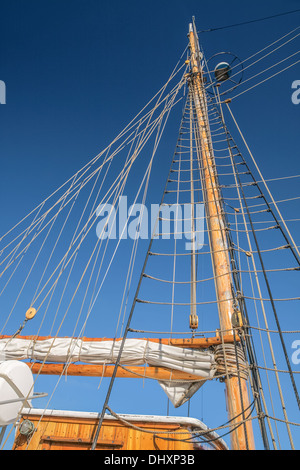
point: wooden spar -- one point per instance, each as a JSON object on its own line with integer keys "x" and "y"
{"x": 237, "y": 394}
{"x": 92, "y": 370}
{"x": 193, "y": 343}
{"x": 193, "y": 318}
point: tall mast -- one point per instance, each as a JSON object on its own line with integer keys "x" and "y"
{"x": 236, "y": 387}
{"x": 193, "y": 310}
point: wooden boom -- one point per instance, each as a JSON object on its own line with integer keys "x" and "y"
{"x": 194, "y": 343}
{"x": 132, "y": 372}
{"x": 92, "y": 370}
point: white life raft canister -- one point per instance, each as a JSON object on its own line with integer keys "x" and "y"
{"x": 16, "y": 382}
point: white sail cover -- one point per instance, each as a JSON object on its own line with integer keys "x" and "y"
{"x": 135, "y": 352}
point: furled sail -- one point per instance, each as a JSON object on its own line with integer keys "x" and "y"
{"x": 136, "y": 352}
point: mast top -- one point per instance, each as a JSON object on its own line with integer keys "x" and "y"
{"x": 192, "y": 26}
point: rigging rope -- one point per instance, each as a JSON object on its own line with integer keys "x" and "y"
{"x": 249, "y": 22}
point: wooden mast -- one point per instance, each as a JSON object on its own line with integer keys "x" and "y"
{"x": 236, "y": 388}
{"x": 193, "y": 309}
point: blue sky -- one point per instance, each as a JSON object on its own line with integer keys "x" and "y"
{"x": 76, "y": 72}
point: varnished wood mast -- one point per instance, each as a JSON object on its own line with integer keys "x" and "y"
{"x": 237, "y": 394}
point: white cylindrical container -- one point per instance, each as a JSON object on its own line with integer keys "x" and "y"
{"x": 16, "y": 382}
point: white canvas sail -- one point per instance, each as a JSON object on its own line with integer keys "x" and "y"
{"x": 135, "y": 352}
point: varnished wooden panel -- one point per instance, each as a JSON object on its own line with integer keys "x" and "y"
{"x": 64, "y": 433}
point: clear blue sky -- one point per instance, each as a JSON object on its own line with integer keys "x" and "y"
{"x": 77, "y": 71}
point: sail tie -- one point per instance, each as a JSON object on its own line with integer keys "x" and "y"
{"x": 231, "y": 357}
